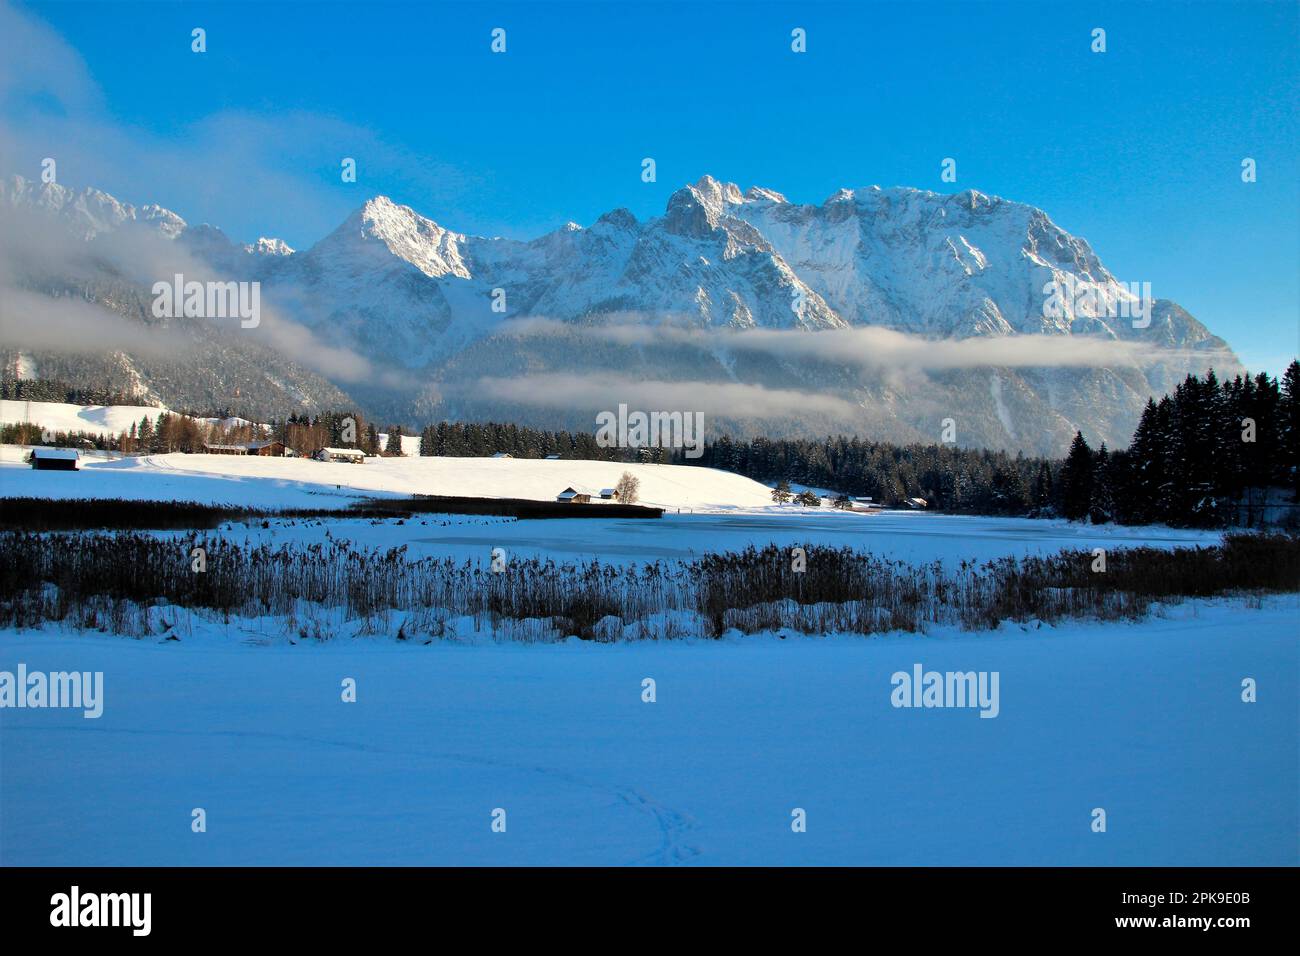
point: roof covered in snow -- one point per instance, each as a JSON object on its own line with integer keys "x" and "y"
{"x": 63, "y": 454}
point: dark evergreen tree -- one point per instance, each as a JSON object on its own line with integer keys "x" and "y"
{"x": 1076, "y": 480}
{"x": 1101, "y": 507}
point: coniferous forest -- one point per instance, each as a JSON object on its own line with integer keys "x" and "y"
{"x": 1211, "y": 454}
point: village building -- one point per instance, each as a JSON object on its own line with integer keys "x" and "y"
{"x": 54, "y": 459}
{"x": 571, "y": 496}
{"x": 866, "y": 504}
{"x": 351, "y": 455}
{"x": 609, "y": 494}
{"x": 274, "y": 449}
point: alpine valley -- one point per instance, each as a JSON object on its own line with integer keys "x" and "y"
{"x": 880, "y": 312}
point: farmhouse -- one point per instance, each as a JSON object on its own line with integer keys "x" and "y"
{"x": 609, "y": 494}
{"x": 265, "y": 448}
{"x": 351, "y": 455}
{"x": 917, "y": 504}
{"x": 571, "y": 496}
{"x": 54, "y": 459}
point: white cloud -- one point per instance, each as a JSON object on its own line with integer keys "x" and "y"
{"x": 870, "y": 347}
{"x": 723, "y": 399}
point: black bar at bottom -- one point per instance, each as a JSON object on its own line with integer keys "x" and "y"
{"x": 334, "y": 905}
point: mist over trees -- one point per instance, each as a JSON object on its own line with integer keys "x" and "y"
{"x": 1205, "y": 456}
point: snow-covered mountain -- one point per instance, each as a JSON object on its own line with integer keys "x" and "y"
{"x": 696, "y": 303}
{"x": 76, "y": 273}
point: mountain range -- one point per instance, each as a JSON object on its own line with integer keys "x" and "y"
{"x": 895, "y": 314}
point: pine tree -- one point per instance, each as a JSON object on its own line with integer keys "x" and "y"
{"x": 1041, "y": 499}
{"x": 1289, "y": 430}
{"x": 1101, "y": 508}
{"x": 781, "y": 493}
{"x": 1076, "y": 480}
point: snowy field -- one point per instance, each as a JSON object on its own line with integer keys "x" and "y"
{"x": 705, "y": 509}
{"x": 303, "y": 483}
{"x": 110, "y": 420}
{"x": 1145, "y": 721}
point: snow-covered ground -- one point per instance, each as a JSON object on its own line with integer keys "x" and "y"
{"x": 1145, "y": 721}
{"x": 301, "y": 482}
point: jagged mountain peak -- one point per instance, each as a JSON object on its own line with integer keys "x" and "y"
{"x": 381, "y": 226}
{"x": 620, "y": 218}
{"x": 269, "y": 247}
{"x": 716, "y": 195}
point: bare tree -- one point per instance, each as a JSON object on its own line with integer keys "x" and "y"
{"x": 628, "y": 488}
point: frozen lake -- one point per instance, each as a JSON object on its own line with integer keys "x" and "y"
{"x": 1144, "y": 721}
{"x": 912, "y": 536}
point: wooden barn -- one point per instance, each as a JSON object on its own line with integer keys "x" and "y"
{"x": 571, "y": 496}
{"x": 54, "y": 459}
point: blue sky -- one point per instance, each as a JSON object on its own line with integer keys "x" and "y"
{"x": 1138, "y": 149}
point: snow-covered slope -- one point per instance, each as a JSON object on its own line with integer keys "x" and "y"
{"x": 63, "y": 417}
{"x": 93, "y": 419}
{"x": 301, "y": 482}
